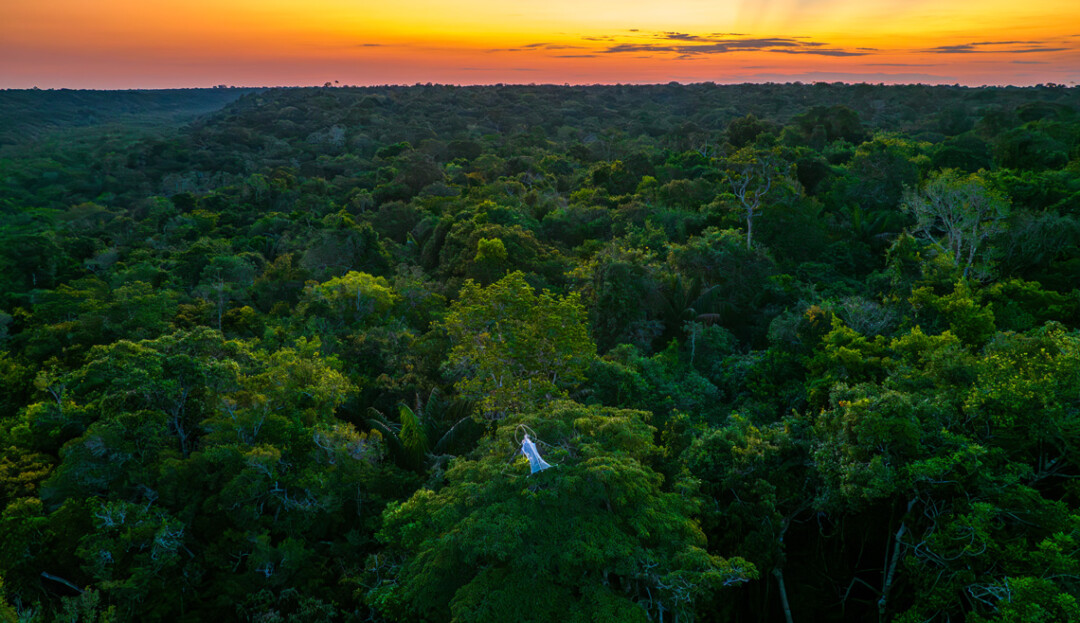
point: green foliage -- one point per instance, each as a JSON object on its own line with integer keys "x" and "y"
{"x": 727, "y": 282}
{"x": 663, "y": 384}
{"x": 1025, "y": 390}
{"x": 351, "y": 298}
{"x": 474, "y": 549}
{"x": 966, "y": 152}
{"x": 1030, "y": 148}
{"x": 759, "y": 481}
{"x": 413, "y": 438}
{"x": 511, "y": 348}
{"x": 839, "y": 370}
{"x": 753, "y": 176}
{"x": 490, "y": 260}
{"x": 460, "y": 253}
{"x": 8, "y": 613}
{"x": 961, "y": 309}
{"x": 836, "y": 123}
{"x": 621, "y": 281}
{"x": 844, "y": 356}
{"x": 746, "y": 130}
{"x": 959, "y": 215}
{"x": 880, "y": 171}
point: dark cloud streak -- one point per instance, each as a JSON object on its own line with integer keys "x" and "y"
{"x": 688, "y": 46}
{"x": 996, "y": 47}
{"x": 821, "y": 52}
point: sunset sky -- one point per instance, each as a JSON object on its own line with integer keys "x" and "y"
{"x": 198, "y": 43}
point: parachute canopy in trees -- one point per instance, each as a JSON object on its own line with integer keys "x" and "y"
{"x": 536, "y": 462}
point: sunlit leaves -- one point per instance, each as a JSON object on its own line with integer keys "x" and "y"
{"x": 355, "y": 296}
{"x": 1026, "y": 394}
{"x": 513, "y": 347}
{"x": 959, "y": 214}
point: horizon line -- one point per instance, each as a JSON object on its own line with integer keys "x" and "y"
{"x": 223, "y": 87}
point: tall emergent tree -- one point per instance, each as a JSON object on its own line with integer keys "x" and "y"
{"x": 752, "y": 174}
{"x": 513, "y": 347}
{"x": 958, "y": 214}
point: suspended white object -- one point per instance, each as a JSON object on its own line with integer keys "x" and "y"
{"x": 528, "y": 448}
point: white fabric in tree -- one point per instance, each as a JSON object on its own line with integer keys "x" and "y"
{"x": 528, "y": 448}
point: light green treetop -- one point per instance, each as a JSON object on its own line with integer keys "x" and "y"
{"x": 513, "y": 347}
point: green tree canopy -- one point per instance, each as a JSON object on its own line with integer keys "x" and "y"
{"x": 512, "y": 347}
{"x": 598, "y": 537}
{"x": 958, "y": 214}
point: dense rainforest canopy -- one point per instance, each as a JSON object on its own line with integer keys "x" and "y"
{"x": 794, "y": 352}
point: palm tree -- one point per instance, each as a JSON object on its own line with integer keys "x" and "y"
{"x": 680, "y": 301}
{"x": 436, "y": 427}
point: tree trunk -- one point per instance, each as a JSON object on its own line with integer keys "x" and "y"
{"x": 779, "y": 575}
{"x": 890, "y": 574}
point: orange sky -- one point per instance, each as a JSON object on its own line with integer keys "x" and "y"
{"x": 194, "y": 43}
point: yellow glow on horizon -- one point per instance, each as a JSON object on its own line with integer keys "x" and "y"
{"x": 580, "y": 41}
